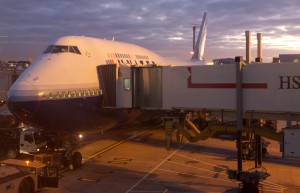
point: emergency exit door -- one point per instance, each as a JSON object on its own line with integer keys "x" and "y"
{"x": 147, "y": 87}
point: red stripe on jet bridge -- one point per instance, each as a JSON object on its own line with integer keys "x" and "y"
{"x": 224, "y": 85}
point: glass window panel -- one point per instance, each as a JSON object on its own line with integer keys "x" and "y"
{"x": 127, "y": 84}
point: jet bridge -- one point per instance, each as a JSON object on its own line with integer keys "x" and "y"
{"x": 270, "y": 90}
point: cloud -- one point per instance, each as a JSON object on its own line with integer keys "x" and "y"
{"x": 155, "y": 25}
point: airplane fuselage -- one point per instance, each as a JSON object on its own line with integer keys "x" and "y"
{"x": 61, "y": 89}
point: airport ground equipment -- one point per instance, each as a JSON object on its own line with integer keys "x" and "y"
{"x": 61, "y": 149}
{"x": 19, "y": 176}
{"x": 59, "y": 159}
{"x": 25, "y": 141}
{"x": 40, "y": 145}
{"x": 15, "y": 140}
{"x": 7, "y": 120}
{"x": 249, "y": 179}
{"x": 193, "y": 134}
{"x": 291, "y": 142}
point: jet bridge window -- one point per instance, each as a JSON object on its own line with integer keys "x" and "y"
{"x": 54, "y": 49}
{"x": 126, "y": 84}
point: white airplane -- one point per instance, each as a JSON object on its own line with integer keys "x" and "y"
{"x": 61, "y": 89}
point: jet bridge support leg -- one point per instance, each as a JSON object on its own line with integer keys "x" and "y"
{"x": 258, "y": 151}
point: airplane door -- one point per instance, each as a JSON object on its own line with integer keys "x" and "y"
{"x": 107, "y": 82}
{"x": 147, "y": 87}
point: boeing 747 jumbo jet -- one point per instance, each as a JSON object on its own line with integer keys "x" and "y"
{"x": 62, "y": 89}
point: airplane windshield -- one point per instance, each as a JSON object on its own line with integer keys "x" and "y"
{"x": 54, "y": 49}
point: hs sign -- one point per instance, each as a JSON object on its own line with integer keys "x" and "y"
{"x": 289, "y": 82}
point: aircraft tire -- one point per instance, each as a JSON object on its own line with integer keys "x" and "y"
{"x": 25, "y": 186}
{"x": 65, "y": 162}
{"x": 76, "y": 160}
{"x": 11, "y": 153}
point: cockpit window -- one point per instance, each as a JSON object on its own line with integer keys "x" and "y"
{"x": 75, "y": 49}
{"x": 48, "y": 49}
{"x": 54, "y": 49}
{"x": 59, "y": 49}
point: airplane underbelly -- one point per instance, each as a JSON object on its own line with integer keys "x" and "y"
{"x": 66, "y": 114}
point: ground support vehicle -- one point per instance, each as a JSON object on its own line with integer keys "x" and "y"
{"x": 42, "y": 147}
{"x": 14, "y": 141}
{"x": 19, "y": 176}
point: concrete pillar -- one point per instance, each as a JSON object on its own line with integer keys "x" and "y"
{"x": 248, "y": 47}
{"x": 259, "y": 48}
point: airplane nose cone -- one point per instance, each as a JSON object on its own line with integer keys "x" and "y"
{"x": 22, "y": 100}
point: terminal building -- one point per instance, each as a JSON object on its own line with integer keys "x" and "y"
{"x": 222, "y": 61}
{"x": 289, "y": 57}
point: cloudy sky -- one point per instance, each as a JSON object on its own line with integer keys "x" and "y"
{"x": 164, "y": 26}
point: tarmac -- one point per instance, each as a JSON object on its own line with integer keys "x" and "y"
{"x": 134, "y": 159}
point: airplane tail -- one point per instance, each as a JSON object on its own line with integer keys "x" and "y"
{"x": 200, "y": 44}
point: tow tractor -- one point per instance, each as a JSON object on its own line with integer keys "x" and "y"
{"x": 18, "y": 176}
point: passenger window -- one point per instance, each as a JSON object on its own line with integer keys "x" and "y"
{"x": 50, "y": 95}
{"x": 126, "y": 84}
